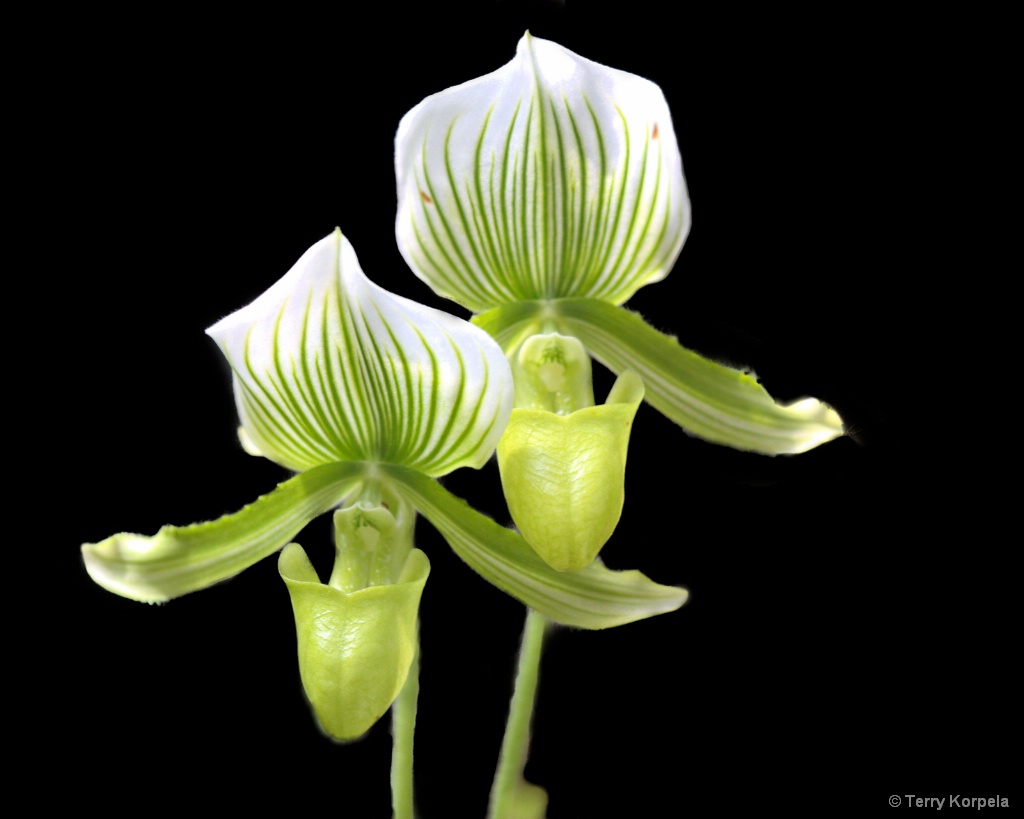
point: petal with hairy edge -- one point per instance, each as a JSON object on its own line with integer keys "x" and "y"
{"x": 182, "y": 559}
{"x": 709, "y": 400}
{"x": 593, "y": 598}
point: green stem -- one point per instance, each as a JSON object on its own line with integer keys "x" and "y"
{"x": 514, "y": 746}
{"x": 403, "y": 728}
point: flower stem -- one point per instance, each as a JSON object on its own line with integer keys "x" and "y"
{"x": 403, "y": 729}
{"x": 508, "y": 778}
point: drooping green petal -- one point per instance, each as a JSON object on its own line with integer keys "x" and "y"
{"x": 355, "y": 648}
{"x": 564, "y": 475}
{"x": 592, "y": 598}
{"x": 714, "y": 402}
{"x": 182, "y": 559}
{"x": 330, "y": 367}
{"x": 553, "y": 176}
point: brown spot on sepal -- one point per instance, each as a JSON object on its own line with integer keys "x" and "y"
{"x": 426, "y": 198}
{"x": 654, "y": 131}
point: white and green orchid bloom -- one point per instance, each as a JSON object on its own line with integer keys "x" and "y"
{"x": 541, "y": 197}
{"x": 369, "y": 396}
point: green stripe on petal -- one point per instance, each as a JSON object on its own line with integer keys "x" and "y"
{"x": 592, "y": 598}
{"x": 714, "y": 402}
{"x": 330, "y": 367}
{"x": 182, "y": 559}
{"x": 552, "y": 177}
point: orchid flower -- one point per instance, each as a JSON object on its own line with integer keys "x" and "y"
{"x": 541, "y": 197}
{"x": 368, "y": 397}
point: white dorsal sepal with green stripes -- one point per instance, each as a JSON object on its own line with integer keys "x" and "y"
{"x": 330, "y": 367}
{"x": 551, "y": 177}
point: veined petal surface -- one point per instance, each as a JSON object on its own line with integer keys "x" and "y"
{"x": 592, "y": 598}
{"x": 714, "y": 402}
{"x": 330, "y": 367}
{"x": 552, "y": 177}
{"x": 182, "y": 559}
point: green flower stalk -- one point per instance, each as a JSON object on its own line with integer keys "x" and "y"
{"x": 541, "y": 197}
{"x": 368, "y": 397}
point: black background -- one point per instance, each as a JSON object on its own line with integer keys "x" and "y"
{"x": 843, "y": 641}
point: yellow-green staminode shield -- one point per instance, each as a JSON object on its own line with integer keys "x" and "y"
{"x": 563, "y": 474}
{"x": 355, "y": 649}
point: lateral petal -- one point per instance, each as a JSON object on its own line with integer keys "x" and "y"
{"x": 717, "y": 403}
{"x": 182, "y": 559}
{"x": 593, "y": 598}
